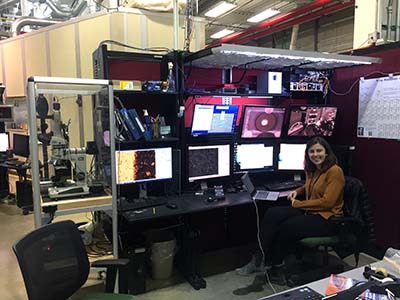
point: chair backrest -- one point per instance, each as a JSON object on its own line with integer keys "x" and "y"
{"x": 357, "y": 206}
{"x": 53, "y": 261}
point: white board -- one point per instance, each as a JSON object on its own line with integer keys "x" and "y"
{"x": 379, "y": 108}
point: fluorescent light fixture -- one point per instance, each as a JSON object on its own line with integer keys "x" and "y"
{"x": 220, "y": 9}
{"x": 221, "y": 33}
{"x": 268, "y": 13}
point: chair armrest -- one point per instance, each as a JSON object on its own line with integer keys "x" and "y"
{"x": 106, "y": 263}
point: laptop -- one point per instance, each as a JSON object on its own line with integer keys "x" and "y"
{"x": 261, "y": 195}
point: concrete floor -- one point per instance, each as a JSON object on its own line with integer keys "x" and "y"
{"x": 224, "y": 285}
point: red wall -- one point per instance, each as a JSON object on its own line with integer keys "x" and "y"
{"x": 375, "y": 161}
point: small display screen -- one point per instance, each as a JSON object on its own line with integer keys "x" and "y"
{"x": 21, "y": 145}
{"x": 208, "y": 161}
{"x": 291, "y": 157}
{"x": 311, "y": 120}
{"x": 4, "y": 145}
{"x": 214, "y": 119}
{"x": 248, "y": 157}
{"x": 6, "y": 113}
{"x": 143, "y": 165}
{"x": 262, "y": 122}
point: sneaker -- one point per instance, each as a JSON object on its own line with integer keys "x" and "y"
{"x": 252, "y": 267}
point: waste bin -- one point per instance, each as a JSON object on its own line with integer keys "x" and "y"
{"x": 162, "y": 254}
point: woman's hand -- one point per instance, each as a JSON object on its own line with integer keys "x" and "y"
{"x": 292, "y": 196}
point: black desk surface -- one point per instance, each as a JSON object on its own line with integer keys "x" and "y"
{"x": 190, "y": 203}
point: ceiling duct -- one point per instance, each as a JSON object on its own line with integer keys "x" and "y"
{"x": 24, "y": 21}
{"x": 5, "y": 4}
{"x": 60, "y": 13}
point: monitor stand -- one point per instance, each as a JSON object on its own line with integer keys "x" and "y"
{"x": 297, "y": 177}
{"x": 142, "y": 191}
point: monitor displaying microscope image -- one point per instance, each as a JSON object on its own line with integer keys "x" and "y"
{"x": 262, "y": 121}
{"x": 307, "y": 120}
{"x": 142, "y": 165}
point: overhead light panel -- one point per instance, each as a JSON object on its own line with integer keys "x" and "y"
{"x": 220, "y": 9}
{"x": 221, "y": 33}
{"x": 268, "y": 13}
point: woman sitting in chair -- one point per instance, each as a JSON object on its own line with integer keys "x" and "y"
{"x": 283, "y": 226}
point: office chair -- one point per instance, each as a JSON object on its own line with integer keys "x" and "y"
{"x": 356, "y": 231}
{"x": 54, "y": 264}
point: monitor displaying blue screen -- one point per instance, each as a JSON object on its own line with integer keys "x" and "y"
{"x": 142, "y": 165}
{"x": 253, "y": 157}
{"x": 214, "y": 119}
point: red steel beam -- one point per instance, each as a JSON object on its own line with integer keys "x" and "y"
{"x": 280, "y": 19}
{"x": 300, "y": 20}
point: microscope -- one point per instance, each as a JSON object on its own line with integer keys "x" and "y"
{"x": 64, "y": 158}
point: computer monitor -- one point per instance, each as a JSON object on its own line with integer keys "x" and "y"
{"x": 291, "y": 157}
{"x": 4, "y": 144}
{"x": 311, "y": 120}
{"x": 143, "y": 165}
{"x": 262, "y": 122}
{"x": 208, "y": 161}
{"x": 21, "y": 145}
{"x": 214, "y": 119}
{"x": 253, "y": 157}
{"x": 6, "y": 113}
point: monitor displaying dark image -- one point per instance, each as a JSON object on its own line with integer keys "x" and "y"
{"x": 21, "y": 145}
{"x": 291, "y": 157}
{"x": 6, "y": 113}
{"x": 214, "y": 119}
{"x": 312, "y": 120}
{"x": 208, "y": 161}
{"x": 143, "y": 165}
{"x": 253, "y": 157}
{"x": 4, "y": 145}
{"x": 262, "y": 122}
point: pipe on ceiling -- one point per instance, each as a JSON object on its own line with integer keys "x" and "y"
{"x": 21, "y": 22}
{"x": 283, "y": 19}
{"x": 60, "y": 13}
{"x": 5, "y": 4}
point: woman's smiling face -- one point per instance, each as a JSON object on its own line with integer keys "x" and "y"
{"x": 317, "y": 154}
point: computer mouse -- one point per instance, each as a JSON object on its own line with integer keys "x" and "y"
{"x": 171, "y": 205}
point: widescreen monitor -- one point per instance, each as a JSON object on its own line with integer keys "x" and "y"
{"x": 21, "y": 145}
{"x": 143, "y": 165}
{"x": 208, "y": 161}
{"x": 291, "y": 157}
{"x": 253, "y": 157}
{"x": 214, "y": 119}
{"x": 4, "y": 145}
{"x": 307, "y": 120}
{"x": 262, "y": 122}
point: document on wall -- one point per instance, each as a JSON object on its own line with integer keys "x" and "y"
{"x": 379, "y": 108}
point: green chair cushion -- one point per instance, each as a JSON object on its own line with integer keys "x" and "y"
{"x": 109, "y": 296}
{"x": 319, "y": 241}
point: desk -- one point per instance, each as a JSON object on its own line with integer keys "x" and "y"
{"x": 357, "y": 273}
{"x": 23, "y": 186}
{"x": 188, "y": 207}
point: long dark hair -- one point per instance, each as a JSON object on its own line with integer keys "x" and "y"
{"x": 329, "y": 161}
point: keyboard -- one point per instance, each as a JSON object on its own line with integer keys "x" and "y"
{"x": 300, "y": 293}
{"x": 136, "y": 204}
{"x": 14, "y": 163}
{"x": 283, "y": 185}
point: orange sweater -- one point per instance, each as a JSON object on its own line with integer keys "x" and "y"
{"x": 323, "y": 193}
